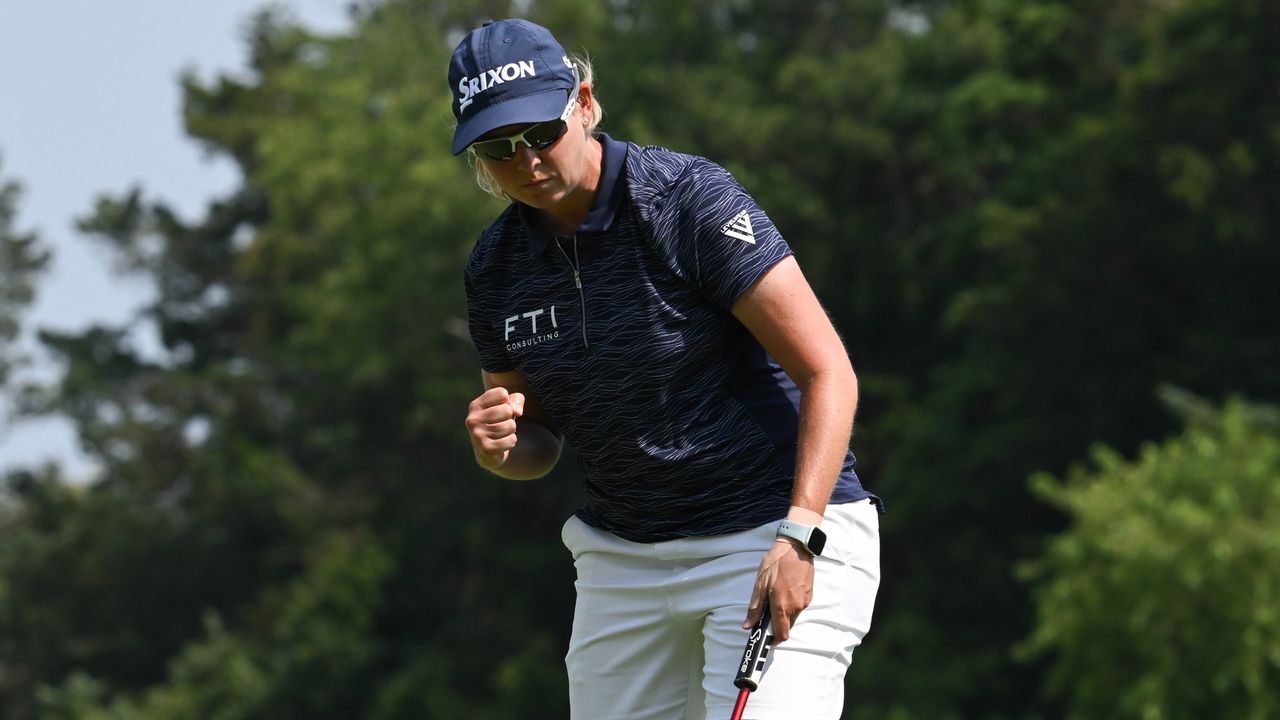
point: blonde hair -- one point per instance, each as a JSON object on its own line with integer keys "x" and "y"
{"x": 586, "y": 74}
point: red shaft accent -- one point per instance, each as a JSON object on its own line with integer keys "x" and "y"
{"x": 741, "y": 704}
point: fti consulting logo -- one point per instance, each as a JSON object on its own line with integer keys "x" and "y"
{"x": 530, "y": 328}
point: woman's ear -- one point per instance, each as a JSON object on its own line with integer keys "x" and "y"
{"x": 585, "y": 100}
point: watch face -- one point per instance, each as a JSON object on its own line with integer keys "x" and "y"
{"x": 817, "y": 541}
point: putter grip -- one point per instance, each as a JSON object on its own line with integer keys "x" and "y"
{"x": 755, "y": 654}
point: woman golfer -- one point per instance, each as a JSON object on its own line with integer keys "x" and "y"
{"x": 637, "y": 303}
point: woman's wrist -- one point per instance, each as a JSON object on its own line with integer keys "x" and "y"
{"x": 804, "y": 515}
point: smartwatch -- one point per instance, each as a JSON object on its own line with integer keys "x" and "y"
{"x": 811, "y": 538}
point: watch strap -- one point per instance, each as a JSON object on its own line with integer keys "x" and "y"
{"x": 805, "y": 534}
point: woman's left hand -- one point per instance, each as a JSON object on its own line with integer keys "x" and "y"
{"x": 785, "y": 582}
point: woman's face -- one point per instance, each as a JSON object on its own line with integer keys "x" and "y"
{"x": 545, "y": 178}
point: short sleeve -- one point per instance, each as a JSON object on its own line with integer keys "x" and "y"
{"x": 719, "y": 237}
{"x": 484, "y": 333}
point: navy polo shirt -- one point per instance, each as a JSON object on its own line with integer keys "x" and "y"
{"x": 681, "y": 422}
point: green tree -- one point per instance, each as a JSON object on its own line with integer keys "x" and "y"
{"x": 311, "y": 657}
{"x": 1161, "y": 599}
{"x": 22, "y": 260}
{"x": 1058, "y": 276}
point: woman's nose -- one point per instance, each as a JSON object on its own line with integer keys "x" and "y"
{"x": 526, "y": 157}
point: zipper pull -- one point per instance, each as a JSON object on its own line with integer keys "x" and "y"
{"x": 577, "y": 279}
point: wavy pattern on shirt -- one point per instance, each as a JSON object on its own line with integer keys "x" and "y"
{"x": 667, "y": 447}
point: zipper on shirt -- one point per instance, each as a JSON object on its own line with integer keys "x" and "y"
{"x": 575, "y": 265}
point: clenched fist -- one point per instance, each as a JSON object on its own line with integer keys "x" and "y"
{"x": 491, "y": 423}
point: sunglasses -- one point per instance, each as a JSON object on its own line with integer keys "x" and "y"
{"x": 537, "y": 137}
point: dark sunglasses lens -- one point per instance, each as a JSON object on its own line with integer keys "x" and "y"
{"x": 544, "y": 135}
{"x": 495, "y": 149}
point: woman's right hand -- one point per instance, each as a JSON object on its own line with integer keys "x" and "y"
{"x": 491, "y": 424}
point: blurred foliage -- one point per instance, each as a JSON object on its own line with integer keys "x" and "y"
{"x": 1168, "y": 573}
{"x": 22, "y": 260}
{"x": 1024, "y": 216}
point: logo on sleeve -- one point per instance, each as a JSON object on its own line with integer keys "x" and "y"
{"x": 740, "y": 227}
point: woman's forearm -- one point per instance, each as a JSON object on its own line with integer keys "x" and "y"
{"x": 828, "y": 401}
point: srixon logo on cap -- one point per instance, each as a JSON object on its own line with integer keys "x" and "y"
{"x": 469, "y": 87}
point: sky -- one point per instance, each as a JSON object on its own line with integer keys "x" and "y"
{"x": 90, "y": 105}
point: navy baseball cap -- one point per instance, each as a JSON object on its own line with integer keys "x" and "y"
{"x": 507, "y": 72}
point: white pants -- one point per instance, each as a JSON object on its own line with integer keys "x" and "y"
{"x": 657, "y": 631}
